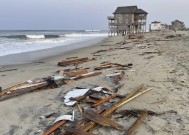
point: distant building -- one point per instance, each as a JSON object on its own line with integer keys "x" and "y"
{"x": 156, "y": 26}
{"x": 178, "y": 25}
{"x": 127, "y": 20}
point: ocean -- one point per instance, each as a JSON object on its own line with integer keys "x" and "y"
{"x": 15, "y": 42}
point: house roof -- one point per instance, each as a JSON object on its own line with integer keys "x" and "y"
{"x": 123, "y": 10}
{"x": 140, "y": 11}
{"x": 129, "y": 9}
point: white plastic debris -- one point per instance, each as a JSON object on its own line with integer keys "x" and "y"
{"x": 77, "y": 93}
{"x": 110, "y": 75}
{"x": 29, "y": 81}
{"x": 57, "y": 77}
{"x": 65, "y": 117}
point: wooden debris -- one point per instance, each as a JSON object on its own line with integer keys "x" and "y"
{"x": 104, "y": 66}
{"x": 117, "y": 77}
{"x": 104, "y": 100}
{"x": 31, "y": 86}
{"x": 91, "y": 100}
{"x": 74, "y": 61}
{"x": 111, "y": 65}
{"x": 89, "y": 114}
{"x": 80, "y": 108}
{"x": 22, "y": 90}
{"x": 76, "y": 131}
{"x": 99, "y": 51}
{"x": 82, "y": 76}
{"x": 55, "y": 127}
{"x": 76, "y": 73}
{"x": 109, "y": 111}
{"x": 133, "y": 128}
{"x": 71, "y": 58}
{"x": 151, "y": 52}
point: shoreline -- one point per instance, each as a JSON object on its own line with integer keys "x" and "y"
{"x": 158, "y": 62}
{"x": 32, "y": 56}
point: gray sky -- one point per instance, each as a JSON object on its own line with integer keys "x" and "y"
{"x": 82, "y": 14}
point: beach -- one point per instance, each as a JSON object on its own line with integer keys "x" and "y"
{"x": 160, "y": 61}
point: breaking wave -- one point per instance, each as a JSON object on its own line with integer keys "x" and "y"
{"x": 33, "y": 36}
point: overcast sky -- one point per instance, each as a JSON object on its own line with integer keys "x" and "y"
{"x": 82, "y": 14}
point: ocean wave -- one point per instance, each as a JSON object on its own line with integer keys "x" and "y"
{"x": 33, "y": 36}
{"x": 87, "y": 35}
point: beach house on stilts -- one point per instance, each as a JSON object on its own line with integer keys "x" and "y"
{"x": 127, "y": 20}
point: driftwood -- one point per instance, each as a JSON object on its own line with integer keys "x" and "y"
{"x": 133, "y": 128}
{"x": 101, "y": 120}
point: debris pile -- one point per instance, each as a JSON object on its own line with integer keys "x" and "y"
{"x": 96, "y": 113}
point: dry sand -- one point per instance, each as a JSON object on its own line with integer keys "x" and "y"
{"x": 167, "y": 72}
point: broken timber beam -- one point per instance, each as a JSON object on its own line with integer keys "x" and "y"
{"x": 76, "y": 73}
{"x": 74, "y": 61}
{"x": 101, "y": 120}
{"x": 104, "y": 100}
{"x": 54, "y": 127}
{"x": 133, "y": 128}
{"x": 90, "y": 74}
{"x": 21, "y": 91}
{"x": 77, "y": 131}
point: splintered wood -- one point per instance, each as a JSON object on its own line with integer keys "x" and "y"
{"x": 74, "y": 61}
{"x": 101, "y": 120}
{"x": 76, "y": 73}
{"x": 54, "y": 127}
{"x": 104, "y": 100}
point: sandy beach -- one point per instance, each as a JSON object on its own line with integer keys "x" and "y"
{"x": 159, "y": 61}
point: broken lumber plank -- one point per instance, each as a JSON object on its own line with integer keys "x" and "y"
{"x": 54, "y": 127}
{"x": 105, "y": 100}
{"x": 104, "y": 66}
{"x": 133, "y": 128}
{"x": 74, "y": 61}
{"x": 101, "y": 120}
{"x": 8, "y": 70}
{"x": 83, "y": 121}
{"x": 77, "y": 131}
{"x": 91, "y": 100}
{"x": 90, "y": 74}
{"x": 76, "y": 73}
